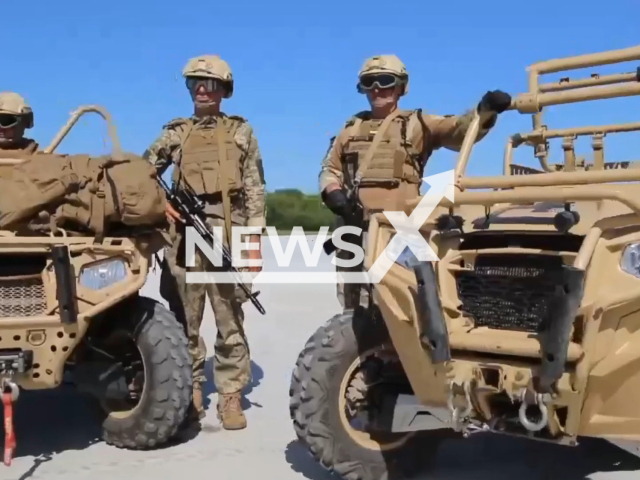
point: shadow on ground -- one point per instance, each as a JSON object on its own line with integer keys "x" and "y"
{"x": 209, "y": 387}
{"x": 494, "y": 457}
{"x": 301, "y": 461}
{"x": 50, "y": 422}
{"x": 59, "y": 420}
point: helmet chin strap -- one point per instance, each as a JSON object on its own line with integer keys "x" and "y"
{"x": 201, "y": 104}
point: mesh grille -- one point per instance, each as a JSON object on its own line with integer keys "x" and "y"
{"x": 22, "y": 297}
{"x": 510, "y": 292}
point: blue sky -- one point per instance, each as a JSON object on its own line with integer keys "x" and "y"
{"x": 295, "y": 65}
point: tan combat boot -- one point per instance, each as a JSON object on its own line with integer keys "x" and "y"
{"x": 230, "y": 411}
{"x": 196, "y": 410}
{"x": 198, "y": 401}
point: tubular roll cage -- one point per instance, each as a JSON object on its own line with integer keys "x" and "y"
{"x": 542, "y": 95}
{"x": 116, "y": 149}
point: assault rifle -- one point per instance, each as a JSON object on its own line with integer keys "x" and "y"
{"x": 191, "y": 208}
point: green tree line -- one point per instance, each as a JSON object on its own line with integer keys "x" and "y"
{"x": 290, "y": 208}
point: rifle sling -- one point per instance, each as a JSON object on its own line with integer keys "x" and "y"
{"x": 224, "y": 176}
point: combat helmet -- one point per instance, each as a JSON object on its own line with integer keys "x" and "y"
{"x": 13, "y": 104}
{"x": 210, "y": 66}
{"x": 381, "y": 64}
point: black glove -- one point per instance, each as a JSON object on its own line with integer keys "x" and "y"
{"x": 336, "y": 201}
{"x": 495, "y": 101}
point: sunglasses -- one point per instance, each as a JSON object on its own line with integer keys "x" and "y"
{"x": 210, "y": 84}
{"x": 8, "y": 121}
{"x": 383, "y": 80}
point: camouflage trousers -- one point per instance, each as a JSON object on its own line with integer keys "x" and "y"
{"x": 232, "y": 370}
{"x": 351, "y": 295}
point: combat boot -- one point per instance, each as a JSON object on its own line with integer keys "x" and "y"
{"x": 230, "y": 411}
{"x": 198, "y": 402}
{"x": 195, "y": 412}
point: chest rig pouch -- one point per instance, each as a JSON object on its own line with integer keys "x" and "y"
{"x": 211, "y": 160}
{"x": 380, "y": 160}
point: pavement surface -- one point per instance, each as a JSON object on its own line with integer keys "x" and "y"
{"x": 57, "y": 439}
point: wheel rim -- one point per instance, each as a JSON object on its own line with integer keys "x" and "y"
{"x": 379, "y": 441}
{"x": 122, "y": 345}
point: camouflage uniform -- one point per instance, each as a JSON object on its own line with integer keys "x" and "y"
{"x": 395, "y": 169}
{"x": 15, "y": 117}
{"x": 232, "y": 357}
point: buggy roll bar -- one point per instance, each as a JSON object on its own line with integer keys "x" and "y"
{"x": 532, "y": 102}
{"x": 116, "y": 149}
{"x": 565, "y": 92}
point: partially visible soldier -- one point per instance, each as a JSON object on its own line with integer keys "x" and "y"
{"x": 388, "y": 148}
{"x": 218, "y": 156}
{"x": 15, "y": 117}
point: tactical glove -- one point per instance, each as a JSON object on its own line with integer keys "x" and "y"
{"x": 495, "y": 101}
{"x": 337, "y": 202}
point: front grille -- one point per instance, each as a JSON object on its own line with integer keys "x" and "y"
{"x": 510, "y": 292}
{"x": 23, "y": 297}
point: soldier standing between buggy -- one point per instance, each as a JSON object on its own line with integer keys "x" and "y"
{"x": 389, "y": 148}
{"x": 230, "y": 180}
{"x": 15, "y": 117}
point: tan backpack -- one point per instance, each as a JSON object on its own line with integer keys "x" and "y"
{"x": 79, "y": 191}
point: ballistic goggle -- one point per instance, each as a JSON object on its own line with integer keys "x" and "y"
{"x": 210, "y": 84}
{"x": 8, "y": 120}
{"x": 381, "y": 80}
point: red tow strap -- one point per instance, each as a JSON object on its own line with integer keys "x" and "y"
{"x": 9, "y": 434}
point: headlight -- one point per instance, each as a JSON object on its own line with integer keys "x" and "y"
{"x": 630, "y": 261}
{"x": 103, "y": 274}
{"x": 406, "y": 258}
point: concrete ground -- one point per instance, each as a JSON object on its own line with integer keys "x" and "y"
{"x": 56, "y": 439}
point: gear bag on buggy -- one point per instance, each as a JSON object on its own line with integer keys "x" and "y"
{"x": 83, "y": 192}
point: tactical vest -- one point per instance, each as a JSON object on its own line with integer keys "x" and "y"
{"x": 391, "y": 171}
{"x": 211, "y": 159}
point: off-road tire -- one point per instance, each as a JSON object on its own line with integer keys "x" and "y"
{"x": 299, "y": 381}
{"x": 168, "y": 385}
{"x": 320, "y": 427}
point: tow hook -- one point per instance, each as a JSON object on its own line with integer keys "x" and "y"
{"x": 10, "y": 393}
{"x": 544, "y": 417}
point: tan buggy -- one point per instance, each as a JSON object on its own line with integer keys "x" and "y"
{"x": 70, "y": 308}
{"x": 528, "y": 325}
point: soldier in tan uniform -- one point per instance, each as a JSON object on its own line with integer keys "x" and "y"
{"x": 15, "y": 117}
{"x": 230, "y": 180}
{"x": 386, "y": 148}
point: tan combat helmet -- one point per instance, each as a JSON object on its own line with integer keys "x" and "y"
{"x": 390, "y": 64}
{"x": 210, "y": 66}
{"x": 13, "y": 104}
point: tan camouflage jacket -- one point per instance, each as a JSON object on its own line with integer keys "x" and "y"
{"x": 439, "y": 131}
{"x": 166, "y": 149}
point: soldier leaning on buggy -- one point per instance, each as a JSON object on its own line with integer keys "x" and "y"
{"x": 384, "y": 150}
